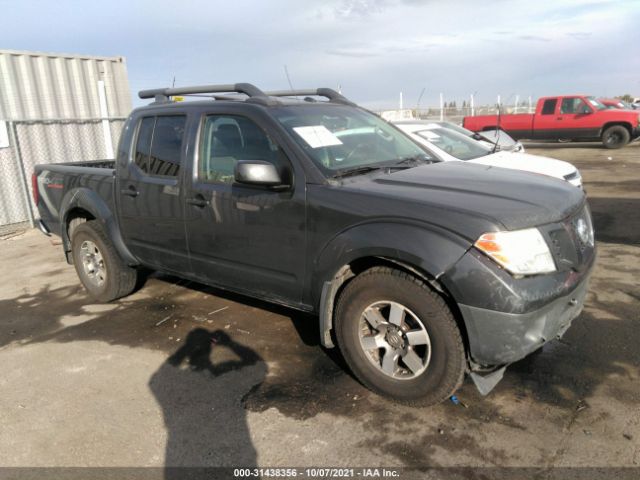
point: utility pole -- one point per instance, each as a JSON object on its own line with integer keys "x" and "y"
{"x": 441, "y": 108}
{"x": 401, "y": 105}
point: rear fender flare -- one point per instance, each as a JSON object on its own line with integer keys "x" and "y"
{"x": 87, "y": 199}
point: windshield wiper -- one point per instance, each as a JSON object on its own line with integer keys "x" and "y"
{"x": 359, "y": 170}
{"x": 412, "y": 159}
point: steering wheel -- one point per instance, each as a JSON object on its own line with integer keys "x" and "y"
{"x": 361, "y": 151}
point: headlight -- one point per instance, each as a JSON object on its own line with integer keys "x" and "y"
{"x": 521, "y": 252}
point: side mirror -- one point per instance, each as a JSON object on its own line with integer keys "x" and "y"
{"x": 257, "y": 172}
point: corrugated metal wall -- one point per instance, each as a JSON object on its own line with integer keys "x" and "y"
{"x": 45, "y": 85}
{"x": 51, "y": 107}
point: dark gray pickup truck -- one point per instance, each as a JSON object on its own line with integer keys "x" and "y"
{"x": 421, "y": 270}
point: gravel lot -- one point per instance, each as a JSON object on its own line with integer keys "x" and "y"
{"x": 181, "y": 374}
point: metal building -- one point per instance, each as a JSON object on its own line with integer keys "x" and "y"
{"x": 54, "y": 108}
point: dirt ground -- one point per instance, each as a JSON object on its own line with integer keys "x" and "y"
{"x": 181, "y": 374}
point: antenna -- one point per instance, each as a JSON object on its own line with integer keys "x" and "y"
{"x": 286, "y": 72}
{"x": 495, "y": 145}
{"x": 418, "y": 102}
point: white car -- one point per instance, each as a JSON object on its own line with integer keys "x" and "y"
{"x": 450, "y": 145}
{"x": 486, "y": 137}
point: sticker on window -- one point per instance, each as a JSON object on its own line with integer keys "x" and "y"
{"x": 429, "y": 135}
{"x": 317, "y": 136}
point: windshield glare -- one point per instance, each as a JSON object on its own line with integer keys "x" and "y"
{"x": 454, "y": 143}
{"x": 339, "y": 138}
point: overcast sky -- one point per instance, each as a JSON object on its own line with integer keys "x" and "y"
{"x": 373, "y": 49}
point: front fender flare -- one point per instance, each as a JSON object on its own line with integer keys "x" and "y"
{"x": 427, "y": 250}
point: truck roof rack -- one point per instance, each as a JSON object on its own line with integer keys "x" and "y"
{"x": 162, "y": 94}
{"x": 329, "y": 93}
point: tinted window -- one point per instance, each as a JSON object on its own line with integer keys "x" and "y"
{"x": 549, "y": 106}
{"x": 166, "y": 146}
{"x": 229, "y": 138}
{"x": 143, "y": 144}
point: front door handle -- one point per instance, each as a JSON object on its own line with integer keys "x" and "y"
{"x": 198, "y": 201}
{"x": 130, "y": 191}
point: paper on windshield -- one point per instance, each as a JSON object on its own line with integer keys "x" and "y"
{"x": 317, "y": 136}
{"x": 429, "y": 135}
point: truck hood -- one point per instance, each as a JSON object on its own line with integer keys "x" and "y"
{"x": 471, "y": 199}
{"x": 617, "y": 113}
{"x": 528, "y": 163}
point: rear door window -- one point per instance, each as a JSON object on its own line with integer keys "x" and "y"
{"x": 143, "y": 143}
{"x": 549, "y": 106}
{"x": 166, "y": 146}
{"x": 159, "y": 145}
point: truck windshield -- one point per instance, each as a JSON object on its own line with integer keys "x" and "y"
{"x": 454, "y": 143}
{"x": 344, "y": 138}
{"x": 595, "y": 103}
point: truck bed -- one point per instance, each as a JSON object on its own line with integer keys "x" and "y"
{"x": 53, "y": 181}
{"x": 68, "y": 166}
{"x": 518, "y": 125}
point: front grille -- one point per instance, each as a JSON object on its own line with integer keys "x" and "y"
{"x": 572, "y": 241}
{"x": 582, "y": 228}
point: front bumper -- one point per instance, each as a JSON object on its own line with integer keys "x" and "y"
{"x": 499, "y": 338}
{"x": 508, "y": 317}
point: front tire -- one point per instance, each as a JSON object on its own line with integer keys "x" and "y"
{"x": 399, "y": 337}
{"x": 616, "y": 136}
{"x": 101, "y": 270}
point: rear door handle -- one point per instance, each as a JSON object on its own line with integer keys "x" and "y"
{"x": 198, "y": 201}
{"x": 130, "y": 191}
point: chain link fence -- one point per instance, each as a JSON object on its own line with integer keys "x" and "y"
{"x": 32, "y": 142}
{"x": 453, "y": 114}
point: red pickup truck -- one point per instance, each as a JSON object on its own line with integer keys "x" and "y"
{"x": 570, "y": 117}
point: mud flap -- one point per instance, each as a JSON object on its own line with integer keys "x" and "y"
{"x": 486, "y": 383}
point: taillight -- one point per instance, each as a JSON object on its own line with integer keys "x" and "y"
{"x": 34, "y": 188}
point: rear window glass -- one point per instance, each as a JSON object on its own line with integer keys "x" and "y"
{"x": 166, "y": 147}
{"x": 549, "y": 106}
{"x": 143, "y": 144}
{"x": 159, "y": 145}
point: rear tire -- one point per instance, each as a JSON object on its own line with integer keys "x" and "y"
{"x": 419, "y": 359}
{"x": 101, "y": 270}
{"x": 616, "y": 136}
